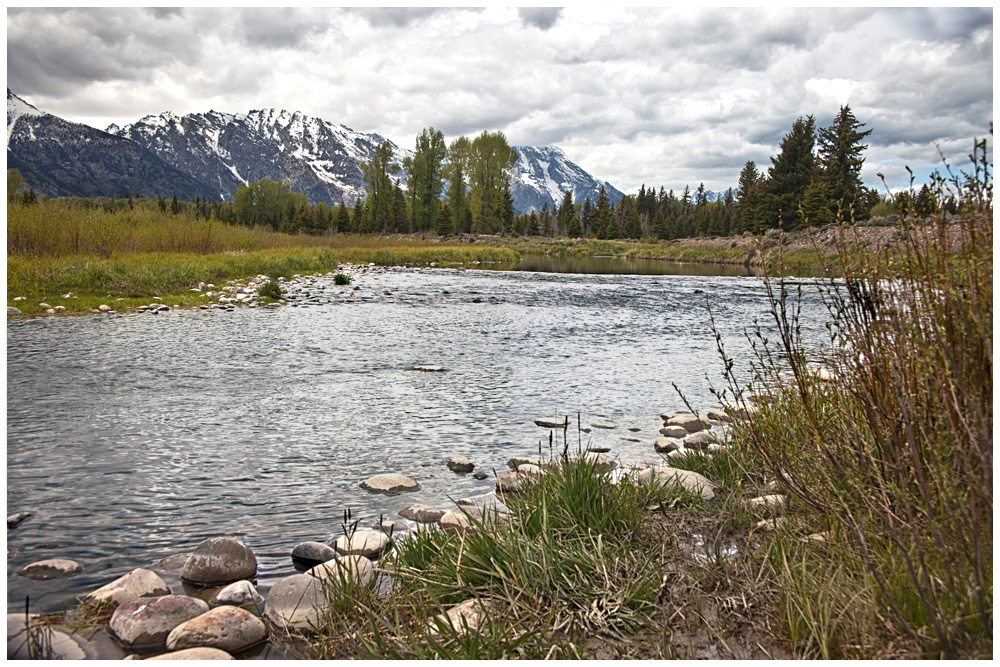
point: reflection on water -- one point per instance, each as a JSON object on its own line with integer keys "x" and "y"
{"x": 134, "y": 437}
{"x": 617, "y": 265}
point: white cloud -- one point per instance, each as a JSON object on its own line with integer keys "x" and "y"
{"x": 655, "y": 96}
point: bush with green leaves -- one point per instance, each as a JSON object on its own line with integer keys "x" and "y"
{"x": 270, "y": 290}
{"x": 341, "y": 279}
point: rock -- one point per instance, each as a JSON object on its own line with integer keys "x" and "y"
{"x": 674, "y": 432}
{"x": 349, "y": 568}
{"x": 368, "y": 543}
{"x": 460, "y": 464}
{"x": 427, "y": 369}
{"x": 200, "y": 653}
{"x": 604, "y": 425}
{"x": 686, "y": 479}
{"x": 770, "y": 524}
{"x": 59, "y": 309}
{"x": 634, "y": 429}
{"x": 585, "y": 429}
{"x": 714, "y": 449}
{"x": 230, "y": 629}
{"x": 468, "y": 616}
{"x": 44, "y": 305}
{"x": 313, "y": 553}
{"x": 815, "y": 537}
{"x": 600, "y": 462}
{"x": 701, "y": 440}
{"x": 510, "y": 482}
{"x": 390, "y": 529}
{"x": 296, "y": 602}
{"x": 461, "y": 519}
{"x": 22, "y": 298}
{"x": 50, "y": 311}
{"x": 15, "y": 520}
{"x": 53, "y": 568}
{"x": 516, "y": 462}
{"x": 479, "y": 475}
{"x": 220, "y": 560}
{"x": 667, "y": 445}
{"x": 144, "y": 623}
{"x": 554, "y": 422}
{"x": 821, "y": 374}
{"x": 529, "y": 469}
{"x": 139, "y": 583}
{"x": 773, "y": 504}
{"x": 104, "y": 308}
{"x": 40, "y": 642}
{"x": 599, "y": 450}
{"x": 690, "y": 423}
{"x": 422, "y": 514}
{"x": 389, "y": 483}
{"x": 719, "y": 416}
{"x": 11, "y": 310}
{"x": 239, "y": 594}
{"x": 744, "y": 411}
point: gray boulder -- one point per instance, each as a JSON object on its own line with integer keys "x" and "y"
{"x": 11, "y": 310}
{"x": 53, "y": 568}
{"x": 465, "y": 617}
{"x": 357, "y": 569}
{"x": 367, "y": 543}
{"x": 144, "y": 623}
{"x": 422, "y": 513}
{"x": 555, "y": 422}
{"x": 201, "y": 653}
{"x": 719, "y": 416}
{"x": 701, "y": 440}
{"x": 510, "y": 482}
{"x": 389, "y": 483}
{"x": 139, "y": 583}
{"x": 313, "y": 553}
{"x": 667, "y": 445}
{"x": 296, "y": 602}
{"x": 685, "y": 479}
{"x": 230, "y": 629}
{"x": 238, "y": 594}
{"x": 15, "y": 520}
{"x": 674, "y": 432}
{"x": 218, "y": 561}
{"x": 691, "y": 423}
{"x": 461, "y": 519}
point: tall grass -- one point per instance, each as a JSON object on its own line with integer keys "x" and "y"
{"x": 896, "y": 450}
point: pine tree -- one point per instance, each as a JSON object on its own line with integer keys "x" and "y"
{"x": 790, "y": 175}
{"x": 377, "y": 174}
{"x": 840, "y": 157}
{"x": 602, "y": 226}
{"x": 343, "y": 221}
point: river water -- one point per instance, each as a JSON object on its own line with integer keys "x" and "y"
{"x": 135, "y": 437}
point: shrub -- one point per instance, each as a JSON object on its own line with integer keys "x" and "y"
{"x": 270, "y": 290}
{"x": 341, "y": 279}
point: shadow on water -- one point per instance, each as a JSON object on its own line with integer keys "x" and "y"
{"x": 619, "y": 266}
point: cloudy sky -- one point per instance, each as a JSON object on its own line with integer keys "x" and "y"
{"x": 660, "y": 96}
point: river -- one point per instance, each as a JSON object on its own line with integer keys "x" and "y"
{"x": 135, "y": 437}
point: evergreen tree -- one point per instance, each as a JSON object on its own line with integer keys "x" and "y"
{"x": 568, "y": 220}
{"x": 790, "y": 175}
{"x": 491, "y": 159}
{"x": 602, "y": 227}
{"x": 456, "y": 170}
{"x": 359, "y": 221}
{"x": 445, "y": 220}
{"x": 586, "y": 217}
{"x": 425, "y": 178}
{"x": 377, "y": 174}
{"x": 508, "y": 209}
{"x": 399, "y": 224}
{"x": 343, "y": 221}
{"x": 840, "y": 157}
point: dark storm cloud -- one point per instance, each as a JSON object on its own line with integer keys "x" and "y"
{"x": 542, "y": 18}
{"x": 279, "y": 28}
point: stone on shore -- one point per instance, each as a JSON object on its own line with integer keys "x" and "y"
{"x": 139, "y": 583}
{"x": 296, "y": 602}
{"x": 15, "y": 520}
{"x": 11, "y": 310}
{"x": 461, "y": 519}
{"x": 367, "y": 543}
{"x": 774, "y": 504}
{"x": 200, "y": 653}
{"x": 53, "y": 568}
{"x": 685, "y": 479}
{"x": 218, "y": 561}
{"x": 553, "y": 422}
{"x": 719, "y": 416}
{"x": 518, "y": 461}
{"x": 422, "y": 513}
{"x": 104, "y": 308}
{"x": 313, "y": 553}
{"x": 356, "y": 569}
{"x": 674, "y": 432}
{"x": 467, "y": 616}
{"x": 691, "y": 423}
{"x": 145, "y": 623}
{"x": 604, "y": 425}
{"x": 238, "y": 594}
{"x": 701, "y": 440}
{"x": 600, "y": 462}
{"x": 230, "y": 629}
{"x": 172, "y": 563}
{"x": 389, "y": 483}
{"x": 460, "y": 464}
{"x": 510, "y": 482}
{"x": 744, "y": 411}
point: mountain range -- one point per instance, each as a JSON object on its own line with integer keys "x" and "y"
{"x": 209, "y": 155}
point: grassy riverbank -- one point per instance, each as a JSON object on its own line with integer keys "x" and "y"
{"x": 125, "y": 258}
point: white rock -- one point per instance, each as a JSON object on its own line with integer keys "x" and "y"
{"x": 460, "y": 464}
{"x": 686, "y": 479}
{"x": 773, "y": 504}
{"x": 461, "y": 519}
{"x": 53, "y": 568}
{"x": 691, "y": 423}
{"x": 139, "y": 583}
{"x": 349, "y": 568}
{"x": 200, "y": 653}
{"x": 238, "y": 594}
{"x": 230, "y": 629}
{"x": 468, "y": 616}
{"x": 368, "y": 543}
{"x": 389, "y": 483}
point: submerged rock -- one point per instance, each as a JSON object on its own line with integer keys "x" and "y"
{"x": 220, "y": 560}
{"x": 145, "y": 623}
{"x": 15, "y": 520}
{"x": 53, "y": 568}
{"x": 389, "y": 483}
{"x": 554, "y": 422}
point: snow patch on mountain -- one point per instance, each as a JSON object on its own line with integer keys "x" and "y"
{"x": 543, "y": 174}
{"x": 16, "y": 108}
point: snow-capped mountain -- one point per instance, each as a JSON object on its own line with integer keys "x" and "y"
{"x": 543, "y": 174}
{"x": 60, "y": 158}
{"x": 315, "y": 157}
